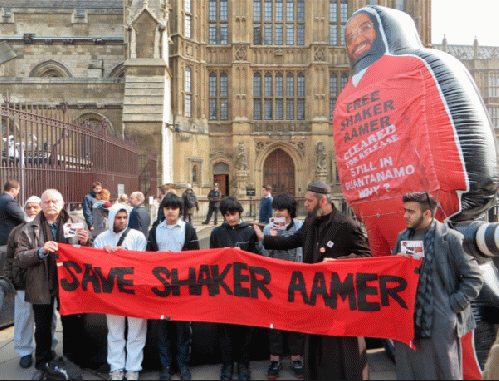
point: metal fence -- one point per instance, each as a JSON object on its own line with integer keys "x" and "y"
{"x": 45, "y": 148}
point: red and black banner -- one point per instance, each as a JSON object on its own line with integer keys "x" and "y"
{"x": 372, "y": 297}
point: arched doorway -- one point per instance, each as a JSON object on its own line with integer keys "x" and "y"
{"x": 279, "y": 172}
{"x": 221, "y": 177}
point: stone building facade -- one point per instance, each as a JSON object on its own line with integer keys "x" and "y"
{"x": 483, "y": 65}
{"x": 238, "y": 92}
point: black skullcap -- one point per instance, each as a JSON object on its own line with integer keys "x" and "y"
{"x": 319, "y": 187}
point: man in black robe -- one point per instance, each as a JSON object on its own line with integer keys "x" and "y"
{"x": 327, "y": 235}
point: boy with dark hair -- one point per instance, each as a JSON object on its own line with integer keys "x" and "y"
{"x": 173, "y": 235}
{"x": 285, "y": 206}
{"x": 235, "y": 340}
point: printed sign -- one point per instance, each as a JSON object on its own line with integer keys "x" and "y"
{"x": 371, "y": 297}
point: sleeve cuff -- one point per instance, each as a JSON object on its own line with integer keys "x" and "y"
{"x": 458, "y": 303}
{"x": 41, "y": 255}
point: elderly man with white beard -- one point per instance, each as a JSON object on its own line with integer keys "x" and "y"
{"x": 38, "y": 242}
{"x": 123, "y": 354}
{"x": 24, "y": 321}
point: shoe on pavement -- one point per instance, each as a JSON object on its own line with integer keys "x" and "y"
{"x": 205, "y": 223}
{"x": 274, "y": 369}
{"x": 26, "y": 361}
{"x": 227, "y": 372}
{"x": 165, "y": 374}
{"x": 297, "y": 368}
{"x": 243, "y": 371}
{"x": 185, "y": 374}
{"x": 130, "y": 375}
{"x": 117, "y": 375}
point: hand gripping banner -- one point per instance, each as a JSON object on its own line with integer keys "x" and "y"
{"x": 372, "y": 297}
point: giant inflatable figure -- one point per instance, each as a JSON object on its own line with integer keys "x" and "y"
{"x": 411, "y": 119}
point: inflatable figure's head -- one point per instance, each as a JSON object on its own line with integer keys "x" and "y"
{"x": 370, "y": 34}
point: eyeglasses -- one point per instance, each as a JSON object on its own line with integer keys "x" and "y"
{"x": 364, "y": 27}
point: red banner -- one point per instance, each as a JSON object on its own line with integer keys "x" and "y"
{"x": 372, "y": 297}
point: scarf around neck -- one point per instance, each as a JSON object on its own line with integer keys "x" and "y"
{"x": 425, "y": 298}
{"x": 47, "y": 237}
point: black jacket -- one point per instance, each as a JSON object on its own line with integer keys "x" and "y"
{"x": 214, "y": 197}
{"x": 11, "y": 215}
{"x": 140, "y": 219}
{"x": 242, "y": 236}
{"x": 191, "y": 238}
{"x": 331, "y": 236}
{"x": 88, "y": 202}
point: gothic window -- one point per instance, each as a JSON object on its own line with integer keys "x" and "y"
{"x": 218, "y": 17}
{"x": 195, "y": 176}
{"x": 188, "y": 18}
{"x": 188, "y": 93}
{"x": 336, "y": 79}
{"x": 344, "y": 80}
{"x": 290, "y": 93}
{"x": 219, "y": 96}
{"x": 494, "y": 116}
{"x": 333, "y": 87}
{"x": 493, "y": 85}
{"x": 279, "y": 22}
{"x": 50, "y": 69}
{"x": 338, "y": 17}
{"x": 278, "y": 96}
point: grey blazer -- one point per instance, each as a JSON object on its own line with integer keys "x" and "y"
{"x": 459, "y": 273}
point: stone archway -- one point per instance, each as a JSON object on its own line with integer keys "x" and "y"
{"x": 279, "y": 172}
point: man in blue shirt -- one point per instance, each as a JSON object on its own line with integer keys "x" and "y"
{"x": 266, "y": 205}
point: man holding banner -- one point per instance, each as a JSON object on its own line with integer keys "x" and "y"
{"x": 327, "y": 235}
{"x": 117, "y": 238}
{"x": 38, "y": 242}
{"x": 449, "y": 280}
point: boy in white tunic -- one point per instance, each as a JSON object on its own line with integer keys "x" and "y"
{"x": 119, "y": 237}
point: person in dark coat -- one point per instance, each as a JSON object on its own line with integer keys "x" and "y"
{"x": 36, "y": 253}
{"x": 89, "y": 202}
{"x": 214, "y": 197}
{"x": 449, "y": 280}
{"x": 139, "y": 218}
{"x": 327, "y": 235}
{"x": 266, "y": 205}
{"x": 11, "y": 213}
{"x": 235, "y": 340}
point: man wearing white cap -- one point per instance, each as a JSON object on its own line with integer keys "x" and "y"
{"x": 123, "y": 354}
{"x": 24, "y": 320}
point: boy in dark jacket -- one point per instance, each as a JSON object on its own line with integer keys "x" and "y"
{"x": 173, "y": 235}
{"x": 235, "y": 340}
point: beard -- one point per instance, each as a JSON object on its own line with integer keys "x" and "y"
{"x": 29, "y": 219}
{"x": 418, "y": 223}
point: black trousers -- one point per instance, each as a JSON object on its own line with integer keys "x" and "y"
{"x": 211, "y": 210}
{"x": 235, "y": 342}
{"x": 44, "y": 313}
{"x": 276, "y": 342}
{"x": 73, "y": 335}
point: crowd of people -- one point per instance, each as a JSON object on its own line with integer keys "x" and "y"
{"x": 449, "y": 280}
